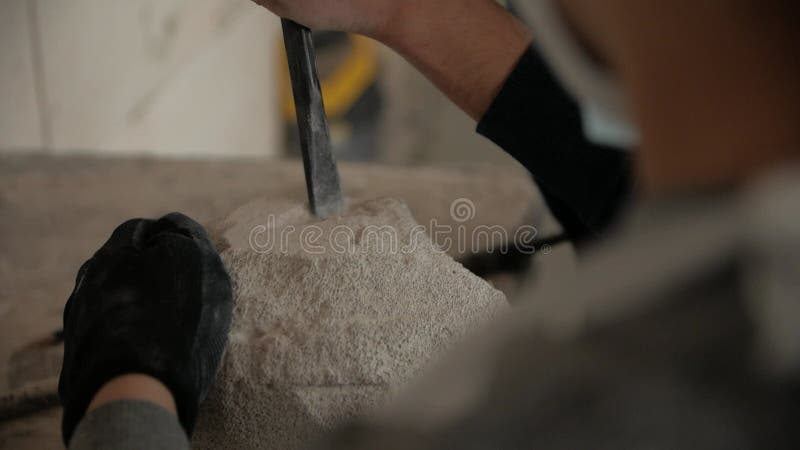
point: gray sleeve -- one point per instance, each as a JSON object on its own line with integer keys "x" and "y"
{"x": 129, "y": 424}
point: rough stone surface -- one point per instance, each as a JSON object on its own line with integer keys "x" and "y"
{"x": 327, "y": 328}
{"x": 56, "y": 210}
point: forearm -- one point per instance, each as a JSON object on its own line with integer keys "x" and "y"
{"x": 466, "y": 47}
{"x": 475, "y": 52}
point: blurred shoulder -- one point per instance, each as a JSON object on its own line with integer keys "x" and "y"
{"x": 681, "y": 331}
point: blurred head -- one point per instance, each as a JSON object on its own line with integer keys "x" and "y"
{"x": 713, "y": 86}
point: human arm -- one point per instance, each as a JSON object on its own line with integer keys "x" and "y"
{"x": 479, "y": 55}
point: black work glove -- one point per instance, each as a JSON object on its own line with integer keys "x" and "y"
{"x": 154, "y": 300}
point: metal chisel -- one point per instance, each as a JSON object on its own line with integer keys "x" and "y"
{"x": 322, "y": 176}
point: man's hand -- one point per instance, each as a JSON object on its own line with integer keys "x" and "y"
{"x": 155, "y": 300}
{"x": 367, "y": 17}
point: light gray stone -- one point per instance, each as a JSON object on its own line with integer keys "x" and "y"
{"x": 327, "y": 330}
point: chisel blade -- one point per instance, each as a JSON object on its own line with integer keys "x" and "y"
{"x": 322, "y": 175}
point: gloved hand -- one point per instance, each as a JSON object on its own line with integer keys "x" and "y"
{"x": 154, "y": 300}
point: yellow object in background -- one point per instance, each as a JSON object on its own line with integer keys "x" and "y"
{"x": 343, "y": 86}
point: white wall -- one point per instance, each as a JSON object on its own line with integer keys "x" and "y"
{"x": 166, "y": 77}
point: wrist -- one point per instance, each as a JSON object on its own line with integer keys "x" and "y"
{"x": 134, "y": 387}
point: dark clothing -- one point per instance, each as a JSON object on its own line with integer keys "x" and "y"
{"x": 536, "y": 121}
